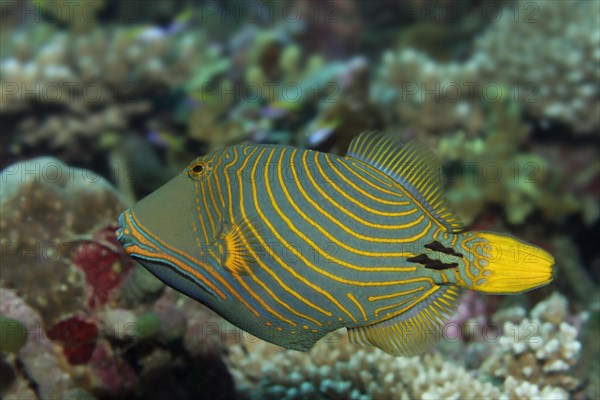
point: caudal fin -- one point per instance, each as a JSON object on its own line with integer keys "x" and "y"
{"x": 505, "y": 264}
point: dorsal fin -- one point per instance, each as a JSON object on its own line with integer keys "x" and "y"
{"x": 413, "y": 332}
{"x": 414, "y": 166}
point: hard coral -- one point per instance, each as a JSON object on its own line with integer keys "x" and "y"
{"x": 40, "y": 360}
{"x": 427, "y": 97}
{"x": 553, "y": 74}
{"x": 337, "y": 369}
{"x": 495, "y": 167}
{"x": 334, "y": 368}
{"x": 47, "y": 209}
{"x": 540, "y": 348}
{"x": 59, "y": 202}
{"x": 63, "y": 92}
{"x": 556, "y": 67}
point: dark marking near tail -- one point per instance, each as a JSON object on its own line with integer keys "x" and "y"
{"x": 431, "y": 264}
{"x": 437, "y": 246}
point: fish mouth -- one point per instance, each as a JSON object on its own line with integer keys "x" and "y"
{"x": 132, "y": 237}
{"x": 160, "y": 233}
{"x": 166, "y": 262}
{"x": 119, "y": 231}
{"x": 123, "y": 233}
{"x": 141, "y": 244}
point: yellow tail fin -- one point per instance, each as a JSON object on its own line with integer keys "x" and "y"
{"x": 505, "y": 264}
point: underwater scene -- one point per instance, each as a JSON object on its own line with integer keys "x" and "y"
{"x": 299, "y": 199}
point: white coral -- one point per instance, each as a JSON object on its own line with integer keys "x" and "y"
{"x": 537, "y": 350}
{"x": 543, "y": 53}
{"x": 552, "y": 46}
{"x": 334, "y": 368}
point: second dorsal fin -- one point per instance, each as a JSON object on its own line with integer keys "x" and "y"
{"x": 414, "y": 166}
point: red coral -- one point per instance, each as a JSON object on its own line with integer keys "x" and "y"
{"x": 114, "y": 374}
{"x": 98, "y": 259}
{"x": 78, "y": 338}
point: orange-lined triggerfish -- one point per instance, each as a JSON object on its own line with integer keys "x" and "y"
{"x": 291, "y": 244}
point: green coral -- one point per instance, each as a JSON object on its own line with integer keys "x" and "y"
{"x": 147, "y": 326}
{"x": 78, "y": 394}
{"x": 79, "y": 15}
{"x": 142, "y": 286}
{"x": 268, "y": 100}
{"x": 13, "y": 335}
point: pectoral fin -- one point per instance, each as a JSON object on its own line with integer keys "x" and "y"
{"x": 234, "y": 246}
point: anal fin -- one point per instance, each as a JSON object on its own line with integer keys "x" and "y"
{"x": 414, "y": 331}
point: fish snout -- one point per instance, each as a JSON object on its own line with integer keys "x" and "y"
{"x": 123, "y": 233}
{"x": 161, "y": 223}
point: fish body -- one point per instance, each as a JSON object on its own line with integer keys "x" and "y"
{"x": 291, "y": 244}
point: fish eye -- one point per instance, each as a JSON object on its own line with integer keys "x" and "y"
{"x": 198, "y": 169}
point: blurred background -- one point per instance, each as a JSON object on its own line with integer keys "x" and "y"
{"x": 103, "y": 101}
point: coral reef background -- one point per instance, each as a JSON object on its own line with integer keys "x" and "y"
{"x": 102, "y": 101}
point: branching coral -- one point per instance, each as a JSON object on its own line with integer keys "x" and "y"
{"x": 333, "y": 368}
{"x": 556, "y": 67}
{"x": 495, "y": 167}
{"x": 428, "y": 97}
{"x": 274, "y": 90}
{"x": 539, "y": 349}
{"x": 264, "y": 85}
{"x": 337, "y": 369}
{"x": 553, "y": 74}
{"x": 81, "y": 86}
